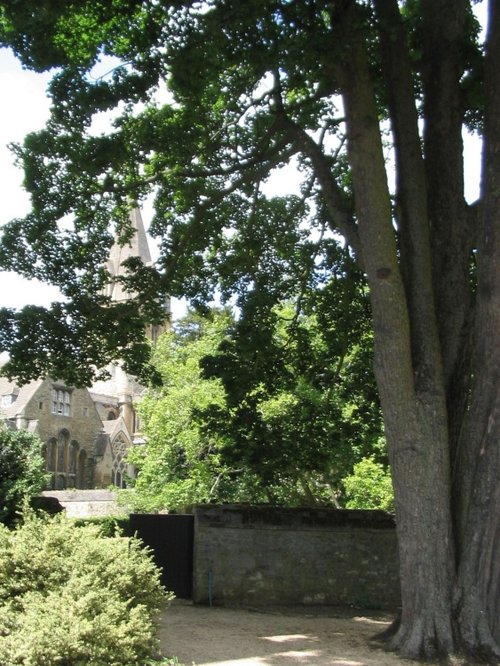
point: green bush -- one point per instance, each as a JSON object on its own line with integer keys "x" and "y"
{"x": 22, "y": 471}
{"x": 70, "y": 596}
{"x": 109, "y": 526}
{"x": 369, "y": 487}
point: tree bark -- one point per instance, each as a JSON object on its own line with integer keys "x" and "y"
{"x": 414, "y": 411}
{"x": 411, "y": 199}
{"x": 442, "y": 67}
{"x": 477, "y": 596}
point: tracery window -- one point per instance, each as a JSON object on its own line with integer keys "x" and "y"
{"x": 51, "y": 455}
{"x": 61, "y": 455}
{"x": 119, "y": 465}
{"x": 73, "y": 453}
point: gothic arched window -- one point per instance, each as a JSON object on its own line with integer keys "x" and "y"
{"x": 82, "y": 470}
{"x": 119, "y": 465}
{"x": 51, "y": 455}
{"x": 62, "y": 451}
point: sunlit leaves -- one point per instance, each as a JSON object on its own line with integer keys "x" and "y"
{"x": 200, "y": 100}
{"x": 369, "y": 487}
{"x": 278, "y": 417}
{"x": 180, "y": 464}
{"x": 300, "y": 393}
{"x": 203, "y": 147}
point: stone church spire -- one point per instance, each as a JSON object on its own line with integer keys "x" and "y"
{"x": 120, "y": 386}
{"x": 137, "y": 246}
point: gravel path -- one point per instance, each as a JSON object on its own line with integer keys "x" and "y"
{"x": 218, "y": 636}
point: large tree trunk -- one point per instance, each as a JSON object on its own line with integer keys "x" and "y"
{"x": 442, "y": 65}
{"x": 452, "y": 235}
{"x": 477, "y": 596}
{"x": 410, "y": 384}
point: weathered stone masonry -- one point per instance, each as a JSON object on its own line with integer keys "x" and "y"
{"x": 261, "y": 556}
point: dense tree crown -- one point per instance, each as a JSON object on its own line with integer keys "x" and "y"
{"x": 207, "y": 100}
{"x": 253, "y": 425}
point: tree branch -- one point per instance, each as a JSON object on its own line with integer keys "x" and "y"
{"x": 342, "y": 219}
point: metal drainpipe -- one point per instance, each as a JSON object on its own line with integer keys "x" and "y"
{"x": 210, "y": 587}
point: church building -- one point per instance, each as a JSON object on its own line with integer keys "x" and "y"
{"x": 86, "y": 433}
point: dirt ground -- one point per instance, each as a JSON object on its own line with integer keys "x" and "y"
{"x": 217, "y": 636}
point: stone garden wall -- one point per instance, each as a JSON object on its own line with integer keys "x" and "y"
{"x": 86, "y": 503}
{"x": 260, "y": 556}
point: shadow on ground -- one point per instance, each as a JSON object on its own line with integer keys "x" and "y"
{"x": 273, "y": 637}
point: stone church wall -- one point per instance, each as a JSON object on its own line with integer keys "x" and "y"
{"x": 82, "y": 424}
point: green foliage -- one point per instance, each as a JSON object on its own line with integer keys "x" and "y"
{"x": 70, "y": 596}
{"x": 281, "y": 421}
{"x": 301, "y": 403}
{"x": 369, "y": 487}
{"x": 180, "y": 463}
{"x": 22, "y": 470}
{"x": 209, "y": 99}
{"x": 109, "y": 526}
{"x": 217, "y": 228}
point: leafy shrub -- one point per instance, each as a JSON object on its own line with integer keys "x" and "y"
{"x": 369, "y": 487}
{"x": 21, "y": 470}
{"x": 70, "y": 596}
{"x": 109, "y": 526}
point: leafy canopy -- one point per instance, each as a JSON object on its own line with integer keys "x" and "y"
{"x": 207, "y": 101}
{"x": 369, "y": 487}
{"x": 179, "y": 464}
{"x": 199, "y": 120}
{"x": 232, "y": 421}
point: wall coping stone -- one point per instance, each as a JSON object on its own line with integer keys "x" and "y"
{"x": 101, "y": 495}
{"x": 244, "y": 516}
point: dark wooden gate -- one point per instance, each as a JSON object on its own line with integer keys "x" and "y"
{"x": 171, "y": 539}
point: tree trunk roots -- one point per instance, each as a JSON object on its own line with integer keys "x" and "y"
{"x": 447, "y": 642}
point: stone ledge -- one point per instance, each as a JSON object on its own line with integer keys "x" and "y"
{"x": 267, "y": 517}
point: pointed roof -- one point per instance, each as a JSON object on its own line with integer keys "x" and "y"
{"x": 23, "y": 393}
{"x": 116, "y": 427}
{"x": 137, "y": 247}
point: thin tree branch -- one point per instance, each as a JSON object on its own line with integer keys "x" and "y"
{"x": 342, "y": 219}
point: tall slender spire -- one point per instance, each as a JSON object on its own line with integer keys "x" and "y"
{"x": 137, "y": 247}
{"x": 121, "y": 386}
